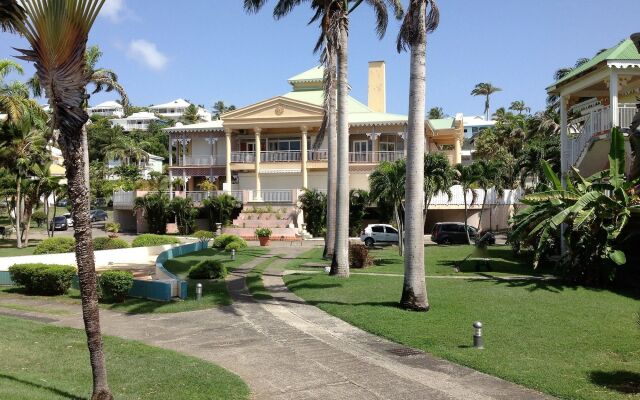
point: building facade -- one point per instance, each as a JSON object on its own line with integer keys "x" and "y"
{"x": 136, "y": 121}
{"x": 109, "y": 109}
{"x": 177, "y": 108}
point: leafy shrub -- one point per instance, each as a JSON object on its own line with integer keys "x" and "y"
{"x": 39, "y": 217}
{"x": 314, "y": 205}
{"x": 115, "y": 285}
{"x": 263, "y": 232}
{"x": 220, "y": 209}
{"x": 359, "y": 256}
{"x": 48, "y": 280}
{"x": 55, "y": 245}
{"x": 107, "y": 243}
{"x": 155, "y": 208}
{"x": 185, "y": 212}
{"x": 204, "y": 236}
{"x": 236, "y": 245}
{"x": 150, "y": 239}
{"x": 223, "y": 240}
{"x": 112, "y": 227}
{"x": 208, "y": 269}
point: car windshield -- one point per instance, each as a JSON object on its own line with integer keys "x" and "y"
{"x": 60, "y": 219}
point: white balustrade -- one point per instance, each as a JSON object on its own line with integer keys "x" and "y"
{"x": 243, "y": 156}
{"x": 374, "y": 157}
{"x": 280, "y": 156}
{"x": 318, "y": 155}
{"x": 273, "y": 196}
{"x": 123, "y": 199}
{"x": 200, "y": 161}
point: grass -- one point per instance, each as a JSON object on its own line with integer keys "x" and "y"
{"x": 45, "y": 310}
{"x": 8, "y": 248}
{"x": 254, "y": 279}
{"x": 439, "y": 260}
{"x": 214, "y": 292}
{"x": 570, "y": 342}
{"x": 136, "y": 371}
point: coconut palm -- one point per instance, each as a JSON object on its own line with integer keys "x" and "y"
{"x": 421, "y": 19}
{"x": 57, "y": 32}
{"x": 387, "y": 184}
{"x": 438, "y": 178}
{"x": 467, "y": 176}
{"x": 485, "y": 89}
{"x": 14, "y": 96}
{"x": 435, "y": 113}
{"x": 489, "y": 176}
{"x": 520, "y": 107}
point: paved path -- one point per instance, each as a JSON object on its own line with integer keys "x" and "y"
{"x": 286, "y": 349}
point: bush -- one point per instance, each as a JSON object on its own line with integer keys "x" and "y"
{"x": 149, "y": 239}
{"x": 208, "y": 269}
{"x": 359, "y": 256}
{"x": 56, "y": 245}
{"x": 223, "y": 240}
{"x": 115, "y": 285}
{"x": 39, "y": 217}
{"x": 107, "y": 243}
{"x": 263, "y": 232}
{"x": 112, "y": 227}
{"x": 204, "y": 236}
{"x": 48, "y": 280}
{"x": 236, "y": 245}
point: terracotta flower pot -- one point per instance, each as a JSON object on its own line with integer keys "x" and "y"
{"x": 264, "y": 240}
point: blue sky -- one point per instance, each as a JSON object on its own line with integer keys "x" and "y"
{"x": 208, "y": 50}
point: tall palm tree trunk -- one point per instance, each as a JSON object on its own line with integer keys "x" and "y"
{"x": 74, "y": 160}
{"x": 414, "y": 290}
{"x": 330, "y": 239}
{"x": 466, "y": 217}
{"x": 18, "y": 212}
{"x": 340, "y": 264}
{"x": 484, "y": 203}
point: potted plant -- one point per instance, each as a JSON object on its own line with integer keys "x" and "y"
{"x": 112, "y": 229}
{"x": 263, "y": 234}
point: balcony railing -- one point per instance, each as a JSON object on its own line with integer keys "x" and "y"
{"x": 593, "y": 125}
{"x": 280, "y": 156}
{"x": 318, "y": 155}
{"x": 199, "y": 161}
{"x": 197, "y": 197}
{"x": 374, "y": 157}
{"x": 243, "y": 157}
{"x": 123, "y": 199}
{"x": 273, "y": 196}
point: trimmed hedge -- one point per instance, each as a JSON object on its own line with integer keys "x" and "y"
{"x": 56, "y": 245}
{"x": 107, "y": 243}
{"x": 43, "y": 279}
{"x": 115, "y": 285}
{"x": 208, "y": 269}
{"x": 150, "y": 239}
{"x": 236, "y": 245}
{"x": 223, "y": 240}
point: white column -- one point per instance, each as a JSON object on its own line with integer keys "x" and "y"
{"x": 613, "y": 95}
{"x": 457, "y": 152}
{"x": 303, "y": 148}
{"x": 170, "y": 150}
{"x": 565, "y": 151}
{"x": 227, "y": 134}
{"x": 258, "y": 194}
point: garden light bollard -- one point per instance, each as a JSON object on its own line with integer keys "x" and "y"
{"x": 199, "y": 291}
{"x": 233, "y": 254}
{"x": 478, "y": 341}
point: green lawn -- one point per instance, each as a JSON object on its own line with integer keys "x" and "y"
{"x": 571, "y": 342}
{"x": 254, "y": 279}
{"x": 41, "y": 362}
{"x": 214, "y": 292}
{"x": 8, "y": 248}
{"x": 439, "y": 260}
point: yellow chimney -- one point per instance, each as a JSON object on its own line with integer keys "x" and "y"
{"x": 377, "y": 87}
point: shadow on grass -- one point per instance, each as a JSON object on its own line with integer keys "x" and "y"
{"x": 53, "y": 390}
{"x": 620, "y": 381}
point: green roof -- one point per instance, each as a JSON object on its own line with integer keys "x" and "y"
{"x": 626, "y": 50}
{"x": 315, "y": 74}
{"x": 444, "y": 123}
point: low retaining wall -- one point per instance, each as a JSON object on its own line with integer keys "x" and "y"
{"x": 277, "y": 233}
{"x": 166, "y": 287}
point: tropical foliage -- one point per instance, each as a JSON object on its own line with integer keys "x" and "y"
{"x": 220, "y": 209}
{"x": 387, "y": 183}
{"x": 313, "y": 204}
{"x": 155, "y": 208}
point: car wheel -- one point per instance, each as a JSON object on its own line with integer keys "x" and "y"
{"x": 368, "y": 242}
{"x": 445, "y": 241}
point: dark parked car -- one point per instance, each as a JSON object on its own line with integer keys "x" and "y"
{"x": 98, "y": 215}
{"x": 59, "y": 223}
{"x": 452, "y": 233}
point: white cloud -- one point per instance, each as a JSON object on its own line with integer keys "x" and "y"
{"x": 114, "y": 10}
{"x": 147, "y": 53}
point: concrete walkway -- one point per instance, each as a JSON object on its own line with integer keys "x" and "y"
{"x": 286, "y": 349}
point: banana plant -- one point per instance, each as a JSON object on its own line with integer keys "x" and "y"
{"x": 594, "y": 211}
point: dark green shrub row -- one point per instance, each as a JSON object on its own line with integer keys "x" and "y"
{"x": 115, "y": 285}
{"x": 43, "y": 279}
{"x": 208, "y": 269}
{"x": 56, "y": 245}
{"x": 228, "y": 241}
{"x": 107, "y": 243}
{"x": 149, "y": 239}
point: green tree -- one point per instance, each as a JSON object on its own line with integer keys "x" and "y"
{"x": 519, "y": 106}
{"x": 485, "y": 89}
{"x": 387, "y": 184}
{"x": 191, "y": 114}
{"x": 313, "y": 204}
{"x": 57, "y": 33}
{"x": 358, "y": 203}
{"x": 155, "y": 208}
{"x": 220, "y": 209}
{"x": 185, "y": 213}
{"x": 435, "y": 112}
{"x": 489, "y": 176}
{"x": 467, "y": 177}
{"x": 220, "y": 108}
{"x": 438, "y": 178}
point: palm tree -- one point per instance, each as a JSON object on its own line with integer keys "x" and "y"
{"x": 467, "y": 176}
{"x": 485, "y": 89}
{"x": 435, "y": 113}
{"x": 438, "y": 178}
{"x": 14, "y": 96}
{"x": 220, "y": 108}
{"x": 489, "y": 175}
{"x": 58, "y": 32}
{"x": 387, "y": 184}
{"x": 520, "y": 107}
{"x": 338, "y": 12}
{"x": 191, "y": 114}
{"x": 421, "y": 19}
{"x": 126, "y": 149}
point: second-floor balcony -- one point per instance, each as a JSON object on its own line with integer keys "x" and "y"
{"x": 368, "y": 157}
{"x": 199, "y": 161}
{"x": 375, "y": 157}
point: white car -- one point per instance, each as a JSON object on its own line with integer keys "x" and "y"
{"x": 69, "y": 219}
{"x": 379, "y": 233}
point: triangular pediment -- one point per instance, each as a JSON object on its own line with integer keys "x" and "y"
{"x": 273, "y": 112}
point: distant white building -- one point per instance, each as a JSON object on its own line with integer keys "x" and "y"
{"x": 136, "y": 121}
{"x": 107, "y": 109}
{"x": 152, "y": 163}
{"x": 175, "y": 110}
{"x": 473, "y": 125}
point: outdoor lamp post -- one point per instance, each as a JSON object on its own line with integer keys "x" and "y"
{"x": 233, "y": 254}
{"x": 199, "y": 291}
{"x": 478, "y": 341}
